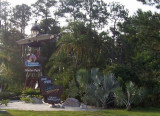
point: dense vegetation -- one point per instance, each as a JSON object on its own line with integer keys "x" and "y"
{"x": 102, "y": 54}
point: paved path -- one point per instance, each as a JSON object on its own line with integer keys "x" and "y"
{"x": 19, "y": 105}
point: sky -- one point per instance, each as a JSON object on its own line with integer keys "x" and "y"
{"x": 131, "y": 5}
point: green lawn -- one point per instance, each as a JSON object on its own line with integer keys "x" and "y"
{"x": 109, "y": 112}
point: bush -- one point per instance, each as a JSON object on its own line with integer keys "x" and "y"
{"x": 31, "y": 91}
{"x": 17, "y": 90}
{"x": 5, "y": 102}
{"x": 26, "y": 99}
{"x": 38, "y": 96}
{"x": 6, "y": 95}
{"x": 97, "y": 87}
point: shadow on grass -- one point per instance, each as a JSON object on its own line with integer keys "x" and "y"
{"x": 138, "y": 109}
{"x": 4, "y": 113}
{"x": 148, "y": 109}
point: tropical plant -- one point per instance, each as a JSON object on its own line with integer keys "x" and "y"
{"x": 133, "y": 95}
{"x": 97, "y": 87}
{"x": 5, "y": 102}
{"x": 76, "y": 49}
{"x": 30, "y": 91}
{"x": 26, "y": 99}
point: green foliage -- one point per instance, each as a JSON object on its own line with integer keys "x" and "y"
{"x": 141, "y": 35}
{"x": 30, "y": 91}
{"x": 97, "y": 88}
{"x": 15, "y": 88}
{"x": 73, "y": 90}
{"x": 132, "y": 52}
{"x": 40, "y": 97}
{"x": 26, "y": 99}
{"x": 153, "y": 96}
{"x": 42, "y": 8}
{"x": 21, "y": 16}
{"x": 133, "y": 95}
{"x": 12, "y": 60}
{"x": 92, "y": 12}
{"x": 6, "y": 95}
{"x": 78, "y": 47}
{"x": 49, "y": 26}
{"x": 5, "y": 102}
{"x": 155, "y": 3}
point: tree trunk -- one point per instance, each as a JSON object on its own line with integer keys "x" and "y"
{"x": 104, "y": 106}
{"x": 129, "y": 107}
{"x": 75, "y": 79}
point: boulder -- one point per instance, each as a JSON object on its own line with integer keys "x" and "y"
{"x": 36, "y": 100}
{"x": 71, "y": 102}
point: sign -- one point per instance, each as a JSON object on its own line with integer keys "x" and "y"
{"x": 52, "y": 93}
{"x": 32, "y": 70}
{"x": 54, "y": 99}
{"x": 46, "y": 84}
{"x": 31, "y": 62}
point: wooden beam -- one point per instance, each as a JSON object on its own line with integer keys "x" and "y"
{"x": 35, "y": 39}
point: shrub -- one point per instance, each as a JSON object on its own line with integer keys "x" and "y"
{"x": 26, "y": 99}
{"x": 97, "y": 87}
{"x": 6, "y": 95}
{"x": 30, "y": 91}
{"x": 17, "y": 90}
{"x": 38, "y": 96}
{"x": 5, "y": 102}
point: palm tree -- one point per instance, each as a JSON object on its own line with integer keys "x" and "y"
{"x": 97, "y": 87}
{"x": 79, "y": 46}
{"x": 132, "y": 96}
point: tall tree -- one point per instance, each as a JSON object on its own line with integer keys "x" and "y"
{"x": 76, "y": 49}
{"x": 142, "y": 34}
{"x": 72, "y": 8}
{"x": 91, "y": 12}
{"x": 117, "y": 15}
{"x": 96, "y": 11}
{"x": 21, "y": 16}
{"x": 156, "y": 3}
{"x": 12, "y": 59}
{"x": 42, "y": 8}
{"x": 5, "y": 15}
{"x": 51, "y": 27}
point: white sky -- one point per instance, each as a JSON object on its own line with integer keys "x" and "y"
{"x": 131, "y": 5}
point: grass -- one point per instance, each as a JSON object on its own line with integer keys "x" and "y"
{"x": 109, "y": 112}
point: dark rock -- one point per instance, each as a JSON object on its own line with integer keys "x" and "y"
{"x": 36, "y": 100}
{"x": 72, "y": 102}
